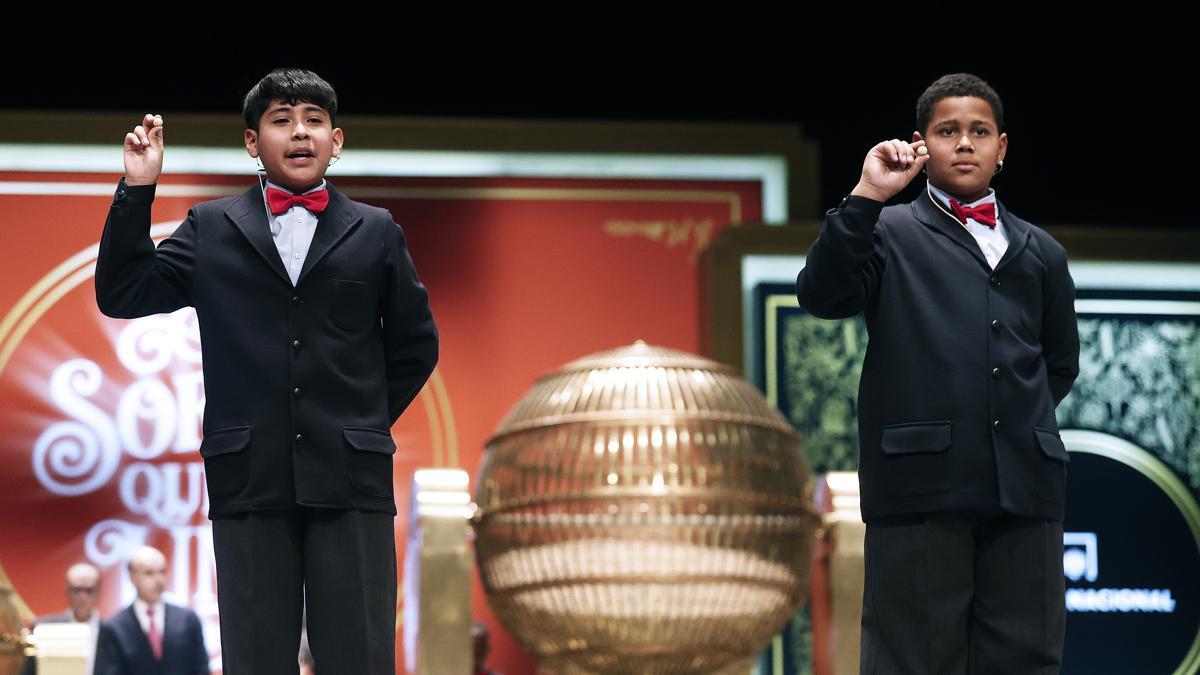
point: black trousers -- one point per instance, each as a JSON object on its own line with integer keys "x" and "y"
{"x": 343, "y": 563}
{"x": 963, "y": 593}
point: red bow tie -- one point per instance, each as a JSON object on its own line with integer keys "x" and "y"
{"x": 984, "y": 214}
{"x": 282, "y": 200}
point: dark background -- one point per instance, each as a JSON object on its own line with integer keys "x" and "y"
{"x": 1101, "y": 127}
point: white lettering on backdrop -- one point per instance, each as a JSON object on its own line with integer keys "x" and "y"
{"x": 158, "y": 415}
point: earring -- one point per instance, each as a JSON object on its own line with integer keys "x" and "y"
{"x": 258, "y": 161}
{"x": 999, "y": 166}
{"x": 334, "y": 159}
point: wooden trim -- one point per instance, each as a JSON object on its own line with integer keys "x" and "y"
{"x": 721, "y": 311}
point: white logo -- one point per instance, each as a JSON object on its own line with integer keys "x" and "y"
{"x": 1081, "y": 561}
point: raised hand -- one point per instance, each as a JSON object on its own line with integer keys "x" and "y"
{"x": 144, "y": 152}
{"x": 889, "y": 167}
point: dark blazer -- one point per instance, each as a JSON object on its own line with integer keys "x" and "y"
{"x": 65, "y": 616}
{"x": 124, "y": 649}
{"x": 964, "y": 365}
{"x": 302, "y": 383}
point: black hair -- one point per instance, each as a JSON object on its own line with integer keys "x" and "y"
{"x": 292, "y": 85}
{"x": 957, "y": 84}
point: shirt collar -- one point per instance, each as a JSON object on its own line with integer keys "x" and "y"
{"x": 319, "y": 187}
{"x": 142, "y": 607}
{"x": 945, "y": 196}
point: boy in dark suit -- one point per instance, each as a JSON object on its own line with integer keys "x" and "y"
{"x": 973, "y": 343}
{"x": 316, "y": 335}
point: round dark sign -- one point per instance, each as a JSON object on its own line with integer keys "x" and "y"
{"x": 1131, "y": 556}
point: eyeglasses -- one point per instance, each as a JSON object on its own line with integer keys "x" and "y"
{"x": 82, "y": 589}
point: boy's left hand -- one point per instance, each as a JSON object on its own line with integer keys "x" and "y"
{"x": 143, "y": 151}
{"x": 889, "y": 167}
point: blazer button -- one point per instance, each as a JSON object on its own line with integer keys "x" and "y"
{"x": 995, "y": 282}
{"x": 996, "y": 425}
{"x": 296, "y": 300}
{"x": 996, "y": 325}
{"x": 995, "y": 374}
{"x": 296, "y": 344}
{"x": 297, "y": 393}
{"x": 299, "y": 438}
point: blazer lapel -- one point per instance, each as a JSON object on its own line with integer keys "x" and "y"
{"x": 1018, "y": 235}
{"x": 141, "y": 641}
{"x": 171, "y": 626}
{"x": 932, "y": 216}
{"x": 338, "y": 219}
{"x": 249, "y": 214}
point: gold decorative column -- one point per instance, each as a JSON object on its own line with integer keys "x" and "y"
{"x": 14, "y": 614}
{"x": 644, "y": 510}
{"x": 847, "y": 534}
{"x": 62, "y": 648}
{"x": 437, "y": 575}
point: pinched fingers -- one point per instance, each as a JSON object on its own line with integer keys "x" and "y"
{"x": 156, "y": 131}
{"x": 151, "y": 126}
{"x": 903, "y": 154}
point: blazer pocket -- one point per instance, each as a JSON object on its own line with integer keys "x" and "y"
{"x": 369, "y": 460}
{"x": 901, "y": 439}
{"x": 914, "y": 458}
{"x": 225, "y": 462}
{"x": 1051, "y": 444}
{"x": 351, "y": 304}
{"x": 225, "y": 441}
{"x": 1051, "y": 479}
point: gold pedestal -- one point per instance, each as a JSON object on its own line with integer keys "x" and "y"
{"x": 62, "y": 648}
{"x": 837, "y": 630}
{"x": 437, "y": 575}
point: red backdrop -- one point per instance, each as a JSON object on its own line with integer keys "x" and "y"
{"x": 101, "y": 418}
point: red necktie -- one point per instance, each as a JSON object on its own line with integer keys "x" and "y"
{"x": 153, "y": 635}
{"x": 984, "y": 214}
{"x": 282, "y": 200}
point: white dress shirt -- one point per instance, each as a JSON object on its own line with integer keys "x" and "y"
{"x": 141, "y": 610}
{"x": 293, "y": 232}
{"x": 993, "y": 242}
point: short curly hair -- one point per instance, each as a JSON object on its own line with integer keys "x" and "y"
{"x": 957, "y": 84}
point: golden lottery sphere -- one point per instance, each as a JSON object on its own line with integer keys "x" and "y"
{"x": 644, "y": 510}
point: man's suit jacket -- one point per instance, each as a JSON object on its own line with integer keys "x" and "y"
{"x": 302, "y": 383}
{"x": 65, "y": 616}
{"x": 124, "y": 649}
{"x": 964, "y": 364}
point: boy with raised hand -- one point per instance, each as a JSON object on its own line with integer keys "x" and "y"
{"x": 973, "y": 343}
{"x": 316, "y": 335}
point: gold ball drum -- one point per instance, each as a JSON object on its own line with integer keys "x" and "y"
{"x": 644, "y": 510}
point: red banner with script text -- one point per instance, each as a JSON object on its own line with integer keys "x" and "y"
{"x": 101, "y": 418}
